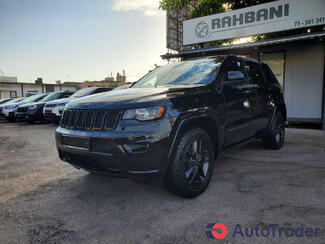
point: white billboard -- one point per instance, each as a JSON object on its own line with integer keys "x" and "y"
{"x": 260, "y": 19}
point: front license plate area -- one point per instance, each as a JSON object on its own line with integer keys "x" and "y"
{"x": 77, "y": 142}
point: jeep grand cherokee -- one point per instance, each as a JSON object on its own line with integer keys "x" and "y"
{"x": 172, "y": 124}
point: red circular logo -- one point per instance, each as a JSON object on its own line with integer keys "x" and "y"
{"x": 219, "y": 231}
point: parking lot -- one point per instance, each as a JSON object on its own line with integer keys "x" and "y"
{"x": 43, "y": 199}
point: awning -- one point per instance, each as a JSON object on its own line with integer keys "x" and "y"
{"x": 269, "y": 42}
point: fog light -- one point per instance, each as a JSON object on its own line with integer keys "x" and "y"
{"x": 136, "y": 148}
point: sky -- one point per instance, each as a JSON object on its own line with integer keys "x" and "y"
{"x": 78, "y": 40}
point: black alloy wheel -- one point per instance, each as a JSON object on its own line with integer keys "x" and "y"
{"x": 197, "y": 163}
{"x": 191, "y": 165}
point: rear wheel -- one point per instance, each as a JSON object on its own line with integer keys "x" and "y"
{"x": 192, "y": 164}
{"x": 274, "y": 138}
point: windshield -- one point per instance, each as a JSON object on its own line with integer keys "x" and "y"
{"x": 33, "y": 98}
{"x": 52, "y": 96}
{"x": 82, "y": 92}
{"x": 193, "y": 72}
{"x": 15, "y": 100}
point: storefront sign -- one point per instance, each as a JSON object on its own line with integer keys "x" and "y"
{"x": 260, "y": 19}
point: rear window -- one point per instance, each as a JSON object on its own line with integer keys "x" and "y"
{"x": 269, "y": 76}
{"x": 255, "y": 73}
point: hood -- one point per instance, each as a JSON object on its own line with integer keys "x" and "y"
{"x": 31, "y": 104}
{"x": 135, "y": 97}
{"x": 13, "y": 104}
{"x": 62, "y": 100}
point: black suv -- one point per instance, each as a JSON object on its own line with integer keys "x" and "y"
{"x": 172, "y": 124}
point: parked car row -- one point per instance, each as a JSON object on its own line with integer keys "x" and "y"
{"x": 43, "y": 107}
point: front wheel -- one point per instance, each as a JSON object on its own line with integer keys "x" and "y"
{"x": 192, "y": 164}
{"x": 11, "y": 119}
{"x": 274, "y": 138}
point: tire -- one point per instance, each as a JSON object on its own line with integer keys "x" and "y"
{"x": 274, "y": 137}
{"x": 31, "y": 121}
{"x": 11, "y": 120}
{"x": 191, "y": 165}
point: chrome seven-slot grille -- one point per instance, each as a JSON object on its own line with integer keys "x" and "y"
{"x": 90, "y": 119}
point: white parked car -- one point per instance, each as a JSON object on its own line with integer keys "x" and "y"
{"x": 53, "y": 110}
{"x": 2, "y": 116}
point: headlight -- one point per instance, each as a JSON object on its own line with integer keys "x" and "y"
{"x": 32, "y": 107}
{"x": 144, "y": 114}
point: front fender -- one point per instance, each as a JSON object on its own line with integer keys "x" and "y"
{"x": 196, "y": 117}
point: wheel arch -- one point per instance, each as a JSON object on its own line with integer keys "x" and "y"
{"x": 282, "y": 108}
{"x": 204, "y": 121}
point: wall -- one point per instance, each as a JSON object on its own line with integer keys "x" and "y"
{"x": 303, "y": 86}
{"x": 5, "y": 88}
{"x": 32, "y": 87}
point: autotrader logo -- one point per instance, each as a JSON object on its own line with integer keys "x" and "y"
{"x": 216, "y": 231}
{"x": 202, "y": 29}
{"x": 220, "y": 231}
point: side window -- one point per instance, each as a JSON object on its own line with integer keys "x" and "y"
{"x": 100, "y": 90}
{"x": 66, "y": 95}
{"x": 235, "y": 71}
{"x": 255, "y": 73}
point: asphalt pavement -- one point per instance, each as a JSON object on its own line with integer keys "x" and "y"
{"x": 45, "y": 200}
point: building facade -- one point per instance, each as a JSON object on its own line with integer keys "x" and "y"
{"x": 298, "y": 61}
{"x": 14, "y": 89}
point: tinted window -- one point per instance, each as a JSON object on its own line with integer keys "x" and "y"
{"x": 269, "y": 76}
{"x": 193, "y": 72}
{"x": 66, "y": 94}
{"x": 255, "y": 73}
{"x": 103, "y": 89}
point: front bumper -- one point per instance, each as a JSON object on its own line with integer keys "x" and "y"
{"x": 51, "y": 117}
{"x": 21, "y": 115}
{"x": 7, "y": 112}
{"x": 140, "y": 153}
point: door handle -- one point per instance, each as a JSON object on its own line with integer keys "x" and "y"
{"x": 246, "y": 86}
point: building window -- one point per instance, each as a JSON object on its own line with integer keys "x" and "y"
{"x": 13, "y": 94}
{"x": 276, "y": 61}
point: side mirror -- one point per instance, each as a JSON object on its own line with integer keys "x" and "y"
{"x": 235, "y": 75}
